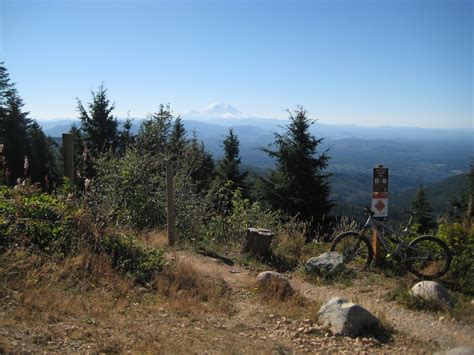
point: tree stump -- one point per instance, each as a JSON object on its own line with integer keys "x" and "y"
{"x": 258, "y": 241}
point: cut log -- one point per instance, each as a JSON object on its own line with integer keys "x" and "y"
{"x": 258, "y": 241}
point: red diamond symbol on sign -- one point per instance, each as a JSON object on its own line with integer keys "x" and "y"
{"x": 380, "y": 205}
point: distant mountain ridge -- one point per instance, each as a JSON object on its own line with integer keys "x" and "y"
{"x": 416, "y": 155}
{"x": 226, "y": 115}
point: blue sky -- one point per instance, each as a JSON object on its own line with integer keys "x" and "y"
{"x": 385, "y": 62}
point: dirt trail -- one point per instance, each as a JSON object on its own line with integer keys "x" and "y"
{"x": 435, "y": 329}
{"x": 48, "y": 318}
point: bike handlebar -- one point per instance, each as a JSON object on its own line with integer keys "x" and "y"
{"x": 367, "y": 210}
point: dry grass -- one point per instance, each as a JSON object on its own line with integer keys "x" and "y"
{"x": 287, "y": 302}
{"x": 81, "y": 300}
{"x": 189, "y": 290}
{"x": 154, "y": 238}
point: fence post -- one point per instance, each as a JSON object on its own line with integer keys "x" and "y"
{"x": 68, "y": 156}
{"x": 2, "y": 165}
{"x": 170, "y": 203}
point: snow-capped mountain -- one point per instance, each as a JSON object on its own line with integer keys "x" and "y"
{"x": 217, "y": 111}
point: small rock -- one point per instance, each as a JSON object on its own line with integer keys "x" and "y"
{"x": 327, "y": 264}
{"x": 460, "y": 350}
{"x": 268, "y": 279}
{"x": 431, "y": 291}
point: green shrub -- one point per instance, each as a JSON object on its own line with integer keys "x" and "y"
{"x": 31, "y": 218}
{"x": 132, "y": 259}
{"x": 460, "y": 240}
{"x": 55, "y": 226}
{"x": 231, "y": 228}
{"x": 131, "y": 191}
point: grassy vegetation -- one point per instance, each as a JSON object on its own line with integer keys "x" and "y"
{"x": 56, "y": 227}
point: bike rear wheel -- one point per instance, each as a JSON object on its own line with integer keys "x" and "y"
{"x": 428, "y": 257}
{"x": 356, "y": 250}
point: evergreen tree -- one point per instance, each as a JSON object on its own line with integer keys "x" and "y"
{"x": 14, "y": 125}
{"x": 470, "y": 198}
{"x": 43, "y": 159}
{"x": 177, "y": 140}
{"x": 424, "y": 217}
{"x": 78, "y": 145}
{"x": 203, "y": 172}
{"x": 298, "y": 185}
{"x": 228, "y": 168}
{"x": 22, "y": 138}
{"x": 126, "y": 136}
{"x": 98, "y": 126}
{"x": 154, "y": 132}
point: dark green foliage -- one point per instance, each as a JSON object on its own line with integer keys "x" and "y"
{"x": 470, "y": 198}
{"x": 43, "y": 157}
{"x": 78, "y": 145}
{"x": 460, "y": 240}
{"x": 14, "y": 124}
{"x": 154, "y": 132}
{"x": 130, "y": 258}
{"x": 22, "y": 137}
{"x": 126, "y": 136}
{"x": 98, "y": 126}
{"x": 298, "y": 185}
{"x": 177, "y": 140}
{"x": 424, "y": 217}
{"x": 228, "y": 168}
{"x": 203, "y": 172}
{"x": 446, "y": 197}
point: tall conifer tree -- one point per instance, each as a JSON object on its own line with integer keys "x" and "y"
{"x": 299, "y": 184}
{"x": 228, "y": 168}
{"x": 424, "y": 216}
{"x": 98, "y": 125}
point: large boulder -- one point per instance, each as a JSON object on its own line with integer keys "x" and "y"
{"x": 271, "y": 281}
{"x": 346, "y": 318}
{"x": 431, "y": 291}
{"x": 258, "y": 241}
{"x": 327, "y": 264}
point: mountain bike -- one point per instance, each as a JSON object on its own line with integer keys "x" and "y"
{"x": 426, "y": 256}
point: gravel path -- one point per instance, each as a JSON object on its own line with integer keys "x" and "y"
{"x": 435, "y": 330}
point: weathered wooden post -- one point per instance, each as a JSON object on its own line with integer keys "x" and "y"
{"x": 170, "y": 203}
{"x": 2, "y": 164}
{"x": 379, "y": 204}
{"x": 68, "y": 156}
{"x": 258, "y": 241}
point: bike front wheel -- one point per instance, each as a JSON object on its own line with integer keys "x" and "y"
{"x": 428, "y": 257}
{"x": 355, "y": 249}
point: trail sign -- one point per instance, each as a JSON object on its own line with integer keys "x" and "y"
{"x": 380, "y": 204}
{"x": 380, "y": 179}
{"x": 380, "y": 191}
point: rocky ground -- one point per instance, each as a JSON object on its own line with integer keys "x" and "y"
{"x": 237, "y": 321}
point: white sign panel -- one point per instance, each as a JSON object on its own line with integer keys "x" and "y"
{"x": 380, "y": 206}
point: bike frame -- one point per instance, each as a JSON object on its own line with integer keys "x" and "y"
{"x": 380, "y": 227}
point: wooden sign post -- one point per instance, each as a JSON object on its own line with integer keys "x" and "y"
{"x": 170, "y": 203}
{"x": 68, "y": 156}
{"x": 379, "y": 203}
